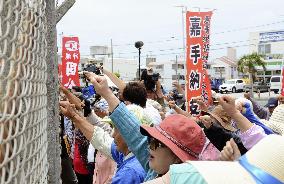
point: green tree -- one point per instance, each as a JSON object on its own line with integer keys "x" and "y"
{"x": 117, "y": 74}
{"x": 247, "y": 65}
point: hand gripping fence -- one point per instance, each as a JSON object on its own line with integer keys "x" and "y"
{"x": 23, "y": 98}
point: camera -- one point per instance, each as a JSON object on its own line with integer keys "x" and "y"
{"x": 155, "y": 77}
{"x": 150, "y": 79}
{"x": 93, "y": 68}
{"x": 176, "y": 96}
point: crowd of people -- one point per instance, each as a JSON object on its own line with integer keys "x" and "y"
{"x": 141, "y": 134}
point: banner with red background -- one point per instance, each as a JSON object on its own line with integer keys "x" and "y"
{"x": 70, "y": 61}
{"x": 197, "y": 52}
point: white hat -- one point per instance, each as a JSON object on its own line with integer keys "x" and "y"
{"x": 153, "y": 113}
{"x": 268, "y": 155}
{"x": 276, "y": 121}
{"x": 243, "y": 100}
{"x": 143, "y": 117}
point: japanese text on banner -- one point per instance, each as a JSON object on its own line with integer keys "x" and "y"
{"x": 197, "y": 39}
{"x": 70, "y": 61}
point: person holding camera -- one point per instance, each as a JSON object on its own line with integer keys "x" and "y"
{"x": 153, "y": 86}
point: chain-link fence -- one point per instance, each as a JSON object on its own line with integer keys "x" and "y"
{"x": 23, "y": 92}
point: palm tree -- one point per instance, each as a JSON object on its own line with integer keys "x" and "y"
{"x": 247, "y": 64}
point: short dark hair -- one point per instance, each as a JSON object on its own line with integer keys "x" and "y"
{"x": 77, "y": 88}
{"x": 135, "y": 92}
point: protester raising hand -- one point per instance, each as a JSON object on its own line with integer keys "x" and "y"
{"x": 172, "y": 104}
{"x": 68, "y": 109}
{"x": 206, "y": 121}
{"x": 230, "y": 152}
{"x": 102, "y": 88}
{"x": 72, "y": 98}
{"x": 99, "y": 82}
{"x": 228, "y": 104}
{"x": 201, "y": 103}
{"x": 178, "y": 110}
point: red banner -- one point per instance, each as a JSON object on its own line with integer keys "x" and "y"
{"x": 70, "y": 61}
{"x": 198, "y": 37}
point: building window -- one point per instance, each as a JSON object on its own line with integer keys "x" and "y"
{"x": 264, "y": 49}
{"x": 259, "y": 73}
{"x": 180, "y": 66}
{"x": 219, "y": 69}
{"x": 267, "y": 72}
{"x": 160, "y": 67}
{"x": 277, "y": 72}
{"x": 175, "y": 77}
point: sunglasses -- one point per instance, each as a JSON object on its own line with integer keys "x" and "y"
{"x": 203, "y": 113}
{"x": 154, "y": 144}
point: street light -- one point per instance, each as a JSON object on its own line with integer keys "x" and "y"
{"x": 139, "y": 45}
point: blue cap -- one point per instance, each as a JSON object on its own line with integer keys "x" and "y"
{"x": 272, "y": 102}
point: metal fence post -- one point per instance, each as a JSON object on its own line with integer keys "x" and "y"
{"x": 54, "y": 146}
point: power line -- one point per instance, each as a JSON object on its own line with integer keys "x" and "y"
{"x": 181, "y": 48}
{"x": 179, "y": 53}
{"x": 222, "y": 32}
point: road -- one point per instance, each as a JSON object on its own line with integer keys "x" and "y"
{"x": 262, "y": 99}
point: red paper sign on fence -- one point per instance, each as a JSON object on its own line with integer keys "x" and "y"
{"x": 197, "y": 36}
{"x": 70, "y": 61}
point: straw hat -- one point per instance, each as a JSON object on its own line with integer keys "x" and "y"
{"x": 276, "y": 121}
{"x": 222, "y": 117}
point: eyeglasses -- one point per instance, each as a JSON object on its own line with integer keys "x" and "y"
{"x": 154, "y": 143}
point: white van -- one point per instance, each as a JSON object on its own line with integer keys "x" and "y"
{"x": 275, "y": 83}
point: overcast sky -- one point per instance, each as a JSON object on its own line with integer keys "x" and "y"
{"x": 158, "y": 23}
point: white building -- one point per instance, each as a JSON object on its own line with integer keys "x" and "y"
{"x": 169, "y": 72}
{"x": 125, "y": 67}
{"x": 101, "y": 55}
{"x": 224, "y": 67}
{"x": 270, "y": 44}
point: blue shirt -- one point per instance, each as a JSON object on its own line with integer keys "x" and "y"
{"x": 129, "y": 170}
{"x": 129, "y": 128}
{"x": 253, "y": 119}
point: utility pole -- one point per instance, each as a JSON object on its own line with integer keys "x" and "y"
{"x": 111, "y": 47}
{"x": 183, "y": 12}
{"x": 177, "y": 78}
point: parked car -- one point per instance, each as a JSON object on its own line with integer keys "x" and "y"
{"x": 259, "y": 87}
{"x": 275, "y": 83}
{"x": 233, "y": 85}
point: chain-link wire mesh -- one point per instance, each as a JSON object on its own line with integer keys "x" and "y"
{"x": 23, "y": 98}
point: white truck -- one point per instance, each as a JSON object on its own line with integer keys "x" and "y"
{"x": 233, "y": 85}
